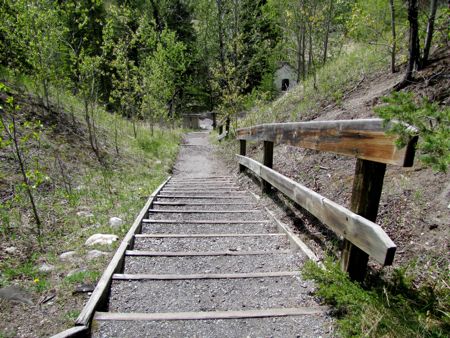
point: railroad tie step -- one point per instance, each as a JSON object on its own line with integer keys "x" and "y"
{"x": 208, "y": 292}
{"x": 142, "y": 262}
{"x": 274, "y": 322}
{"x": 231, "y": 242}
{"x": 177, "y": 227}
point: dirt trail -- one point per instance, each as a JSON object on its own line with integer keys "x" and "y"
{"x": 210, "y": 262}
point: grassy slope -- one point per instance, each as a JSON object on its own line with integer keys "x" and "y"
{"x": 76, "y": 182}
{"x": 413, "y": 298}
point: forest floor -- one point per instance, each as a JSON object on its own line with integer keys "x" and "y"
{"x": 415, "y": 204}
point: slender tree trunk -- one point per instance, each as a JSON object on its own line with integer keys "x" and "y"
{"x": 327, "y": 31}
{"x": 235, "y": 33}
{"x": 394, "y": 36}
{"x": 116, "y": 135}
{"x": 414, "y": 51}
{"x": 299, "y": 54}
{"x": 310, "y": 49}
{"x": 221, "y": 37}
{"x": 22, "y": 166}
{"x": 430, "y": 31}
{"x": 303, "y": 52}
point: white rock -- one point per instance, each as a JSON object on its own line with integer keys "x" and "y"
{"x": 46, "y": 268}
{"x": 67, "y": 256}
{"x": 115, "y": 222}
{"x": 11, "y": 250}
{"x": 93, "y": 254}
{"x": 86, "y": 214}
{"x": 158, "y": 162}
{"x": 101, "y": 239}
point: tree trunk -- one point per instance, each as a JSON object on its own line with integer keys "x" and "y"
{"x": 221, "y": 39}
{"x": 327, "y": 31}
{"x": 430, "y": 31}
{"x": 394, "y": 36}
{"x": 414, "y": 51}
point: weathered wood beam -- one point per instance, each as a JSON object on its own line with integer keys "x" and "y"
{"x": 363, "y": 233}
{"x": 366, "y": 194}
{"x": 365, "y": 139}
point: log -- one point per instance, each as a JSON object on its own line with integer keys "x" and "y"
{"x": 361, "y": 232}
{"x": 365, "y": 139}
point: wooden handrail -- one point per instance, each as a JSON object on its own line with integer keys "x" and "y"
{"x": 365, "y": 234}
{"x": 365, "y": 139}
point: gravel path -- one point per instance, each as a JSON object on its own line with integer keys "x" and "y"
{"x": 266, "y": 243}
{"x": 312, "y": 326}
{"x": 210, "y": 294}
{"x": 203, "y": 183}
{"x": 213, "y": 264}
{"x": 180, "y": 228}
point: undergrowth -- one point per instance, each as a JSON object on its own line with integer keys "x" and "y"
{"x": 388, "y": 307}
{"x": 332, "y": 82}
{"x": 80, "y": 195}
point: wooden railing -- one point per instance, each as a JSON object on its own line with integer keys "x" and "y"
{"x": 223, "y": 133}
{"x": 366, "y": 140}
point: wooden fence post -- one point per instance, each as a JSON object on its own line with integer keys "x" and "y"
{"x": 220, "y": 130}
{"x": 227, "y": 127}
{"x": 214, "y": 123}
{"x": 366, "y": 193}
{"x": 243, "y": 152}
{"x": 268, "y": 162}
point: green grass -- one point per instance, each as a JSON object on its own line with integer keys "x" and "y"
{"x": 386, "y": 308}
{"x": 82, "y": 277}
{"x": 333, "y": 80}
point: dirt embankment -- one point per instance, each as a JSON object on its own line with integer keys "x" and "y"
{"x": 415, "y": 204}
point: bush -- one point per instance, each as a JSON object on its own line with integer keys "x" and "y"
{"x": 432, "y": 125}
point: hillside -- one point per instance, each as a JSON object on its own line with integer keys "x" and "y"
{"x": 414, "y": 208}
{"x": 49, "y": 277}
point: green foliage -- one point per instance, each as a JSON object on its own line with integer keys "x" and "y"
{"x": 391, "y": 309}
{"x": 431, "y": 122}
{"x": 82, "y": 277}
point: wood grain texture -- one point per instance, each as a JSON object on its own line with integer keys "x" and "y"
{"x": 363, "y": 233}
{"x": 98, "y": 299}
{"x": 365, "y": 139}
{"x": 281, "y": 312}
{"x": 119, "y": 276}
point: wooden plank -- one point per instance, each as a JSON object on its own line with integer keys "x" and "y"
{"x": 200, "y": 191}
{"x": 119, "y": 276}
{"x": 151, "y": 221}
{"x": 205, "y": 235}
{"x": 237, "y": 314}
{"x": 293, "y": 238}
{"x": 222, "y": 136}
{"x": 98, "y": 298}
{"x": 366, "y": 194}
{"x": 218, "y": 197}
{"x": 365, "y": 139}
{"x": 199, "y": 203}
{"x": 203, "y": 211}
{"x": 363, "y": 233}
{"x": 74, "y": 332}
{"x": 205, "y": 253}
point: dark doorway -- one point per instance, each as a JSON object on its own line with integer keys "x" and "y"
{"x": 284, "y": 84}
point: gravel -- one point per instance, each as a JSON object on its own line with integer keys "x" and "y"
{"x": 250, "y": 216}
{"x": 209, "y": 294}
{"x": 213, "y": 264}
{"x": 210, "y": 207}
{"x": 180, "y": 228}
{"x": 245, "y": 199}
{"x": 266, "y": 243}
{"x": 307, "y": 326}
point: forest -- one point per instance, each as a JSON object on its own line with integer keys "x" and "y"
{"x": 93, "y": 92}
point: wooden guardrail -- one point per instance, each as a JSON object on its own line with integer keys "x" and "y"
{"x": 364, "y": 139}
{"x": 224, "y": 133}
